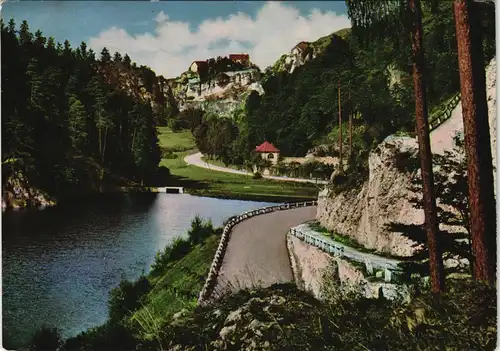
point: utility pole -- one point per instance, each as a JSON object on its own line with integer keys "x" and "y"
{"x": 341, "y": 168}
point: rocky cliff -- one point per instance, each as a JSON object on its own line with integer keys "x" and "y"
{"x": 304, "y": 52}
{"x": 222, "y": 94}
{"x": 18, "y": 193}
{"x": 366, "y": 214}
{"x": 140, "y": 83}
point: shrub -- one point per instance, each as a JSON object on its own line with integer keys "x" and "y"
{"x": 127, "y": 297}
{"x": 109, "y": 336}
{"x": 200, "y": 230}
{"x": 46, "y": 338}
{"x": 257, "y": 175}
{"x": 177, "y": 124}
{"x": 169, "y": 154}
{"x": 406, "y": 162}
{"x": 179, "y": 248}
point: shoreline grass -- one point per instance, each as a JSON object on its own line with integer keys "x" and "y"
{"x": 140, "y": 310}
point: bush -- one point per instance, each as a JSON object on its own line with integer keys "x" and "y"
{"x": 180, "y": 247}
{"x": 200, "y": 230}
{"x": 162, "y": 176}
{"x": 169, "y": 154}
{"x": 177, "y": 124}
{"x": 109, "y": 336}
{"x": 257, "y": 175}
{"x": 407, "y": 162}
{"x": 127, "y": 297}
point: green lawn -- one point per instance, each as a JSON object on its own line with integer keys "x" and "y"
{"x": 179, "y": 141}
{"x": 220, "y": 163}
{"x": 201, "y": 181}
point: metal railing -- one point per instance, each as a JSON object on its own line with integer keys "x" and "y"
{"x": 371, "y": 262}
{"x": 446, "y": 114}
{"x": 221, "y": 249}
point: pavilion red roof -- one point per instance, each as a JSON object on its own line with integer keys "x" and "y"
{"x": 266, "y": 147}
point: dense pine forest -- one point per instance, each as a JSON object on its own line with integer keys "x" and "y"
{"x": 65, "y": 128}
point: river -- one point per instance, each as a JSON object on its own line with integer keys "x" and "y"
{"x": 59, "y": 264}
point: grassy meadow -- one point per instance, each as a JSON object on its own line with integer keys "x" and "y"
{"x": 201, "y": 181}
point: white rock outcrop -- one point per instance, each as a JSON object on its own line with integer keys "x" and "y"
{"x": 365, "y": 214}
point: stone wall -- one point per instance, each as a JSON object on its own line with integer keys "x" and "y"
{"x": 311, "y": 266}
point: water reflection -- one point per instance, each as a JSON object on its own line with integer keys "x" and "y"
{"x": 59, "y": 264}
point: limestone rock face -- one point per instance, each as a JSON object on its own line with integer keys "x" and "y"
{"x": 382, "y": 200}
{"x": 221, "y": 96}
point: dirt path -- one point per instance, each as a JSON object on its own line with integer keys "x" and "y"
{"x": 257, "y": 254}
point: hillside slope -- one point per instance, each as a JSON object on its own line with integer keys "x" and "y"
{"x": 367, "y": 214}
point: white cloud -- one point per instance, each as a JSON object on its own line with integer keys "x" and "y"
{"x": 170, "y": 50}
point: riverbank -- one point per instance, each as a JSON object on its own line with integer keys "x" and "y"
{"x": 159, "y": 311}
{"x": 204, "y": 182}
{"x": 140, "y": 311}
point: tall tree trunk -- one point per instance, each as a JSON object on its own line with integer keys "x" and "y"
{"x": 341, "y": 165}
{"x": 477, "y": 140}
{"x": 421, "y": 114}
{"x": 350, "y": 126}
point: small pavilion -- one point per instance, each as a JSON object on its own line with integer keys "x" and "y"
{"x": 268, "y": 152}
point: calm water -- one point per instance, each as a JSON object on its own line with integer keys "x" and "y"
{"x": 59, "y": 264}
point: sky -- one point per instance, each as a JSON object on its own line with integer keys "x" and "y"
{"x": 168, "y": 35}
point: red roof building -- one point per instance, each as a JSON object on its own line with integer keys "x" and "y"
{"x": 196, "y": 66}
{"x": 301, "y": 46}
{"x": 266, "y": 147}
{"x": 239, "y": 57}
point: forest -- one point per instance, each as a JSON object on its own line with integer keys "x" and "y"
{"x": 65, "y": 126}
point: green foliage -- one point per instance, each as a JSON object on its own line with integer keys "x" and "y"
{"x": 288, "y": 319}
{"x": 217, "y": 137}
{"x": 257, "y": 175}
{"x": 109, "y": 336}
{"x": 300, "y": 109}
{"x": 407, "y": 162}
{"x": 126, "y": 298}
{"x": 451, "y": 188}
{"x": 199, "y": 231}
{"x": 63, "y": 113}
{"x": 140, "y": 310}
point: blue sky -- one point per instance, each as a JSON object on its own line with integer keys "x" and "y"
{"x": 168, "y": 35}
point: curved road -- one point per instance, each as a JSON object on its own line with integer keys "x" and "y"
{"x": 195, "y": 160}
{"x": 257, "y": 254}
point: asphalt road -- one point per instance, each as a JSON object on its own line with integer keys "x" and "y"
{"x": 256, "y": 254}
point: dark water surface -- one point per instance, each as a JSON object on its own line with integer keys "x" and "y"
{"x": 59, "y": 264}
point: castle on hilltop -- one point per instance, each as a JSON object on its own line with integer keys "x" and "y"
{"x": 201, "y": 66}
